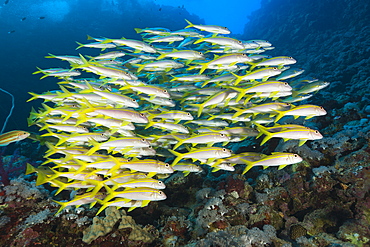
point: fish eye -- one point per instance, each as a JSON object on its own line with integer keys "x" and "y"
{"x": 160, "y": 182}
{"x": 165, "y": 91}
{"x": 290, "y": 57}
{"x": 151, "y": 46}
{"x": 133, "y": 100}
{"x": 222, "y": 135}
{"x": 224, "y": 150}
{"x": 316, "y": 131}
{"x": 244, "y": 55}
{"x": 142, "y": 115}
{"x": 275, "y": 68}
{"x": 226, "y": 28}
{"x": 102, "y": 135}
{"x": 160, "y": 192}
{"x": 239, "y": 42}
{"x": 286, "y": 84}
{"x": 143, "y": 140}
{"x": 188, "y": 114}
{"x": 322, "y": 108}
{"x": 295, "y": 155}
{"x": 200, "y": 53}
{"x": 167, "y": 165}
{"x": 150, "y": 147}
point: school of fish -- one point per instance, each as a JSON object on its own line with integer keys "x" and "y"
{"x": 172, "y": 101}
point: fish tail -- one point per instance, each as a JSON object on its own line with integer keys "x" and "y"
{"x": 238, "y": 78}
{"x": 212, "y": 117}
{"x": 79, "y": 45}
{"x": 62, "y": 206}
{"x": 191, "y": 67}
{"x": 263, "y": 130}
{"x": 52, "y": 149}
{"x": 238, "y": 112}
{"x": 82, "y": 164}
{"x": 140, "y": 67}
{"x": 41, "y": 178}
{"x": 47, "y": 108}
{"x": 199, "y": 40}
{"x": 205, "y": 83}
{"x": 200, "y": 108}
{"x": 204, "y": 67}
{"x": 163, "y": 55}
{"x": 96, "y": 146}
{"x": 34, "y": 96}
{"x": 179, "y": 142}
{"x": 89, "y": 37}
{"x": 189, "y": 24}
{"x": 84, "y": 61}
{"x": 104, "y": 205}
{"x": 241, "y": 94}
{"x": 30, "y": 169}
{"x": 150, "y": 124}
{"x": 178, "y": 158}
{"x": 62, "y": 186}
{"x": 248, "y": 167}
{"x": 295, "y": 94}
{"x": 38, "y": 71}
{"x": 138, "y": 30}
{"x": 98, "y": 186}
{"x": 247, "y": 99}
{"x": 46, "y": 126}
{"x": 32, "y": 119}
{"x": 279, "y": 116}
{"x": 50, "y": 56}
{"x": 45, "y": 75}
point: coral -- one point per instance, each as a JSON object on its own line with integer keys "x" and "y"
{"x": 11, "y": 165}
{"x": 36, "y": 219}
{"x": 297, "y": 231}
{"x": 102, "y": 226}
{"x": 20, "y": 188}
{"x": 175, "y": 230}
{"x": 356, "y": 239}
{"x": 239, "y": 236}
{"x": 4, "y": 220}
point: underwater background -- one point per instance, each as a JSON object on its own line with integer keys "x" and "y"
{"x": 322, "y": 201}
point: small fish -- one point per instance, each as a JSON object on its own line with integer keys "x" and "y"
{"x": 77, "y": 201}
{"x": 121, "y": 202}
{"x": 210, "y": 153}
{"x": 24, "y": 18}
{"x": 140, "y": 193}
{"x": 13, "y": 136}
{"x": 12, "y": 31}
{"x": 42, "y": 17}
{"x": 207, "y": 138}
{"x": 187, "y": 168}
{"x": 209, "y": 28}
{"x": 301, "y": 133}
{"x": 276, "y": 159}
{"x": 307, "y": 111}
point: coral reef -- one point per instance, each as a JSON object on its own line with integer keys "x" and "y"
{"x": 102, "y": 226}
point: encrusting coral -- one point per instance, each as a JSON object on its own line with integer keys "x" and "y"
{"x": 101, "y": 226}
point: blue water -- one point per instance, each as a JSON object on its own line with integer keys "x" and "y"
{"x": 29, "y": 30}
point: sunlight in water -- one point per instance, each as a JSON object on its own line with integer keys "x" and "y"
{"x": 53, "y": 10}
